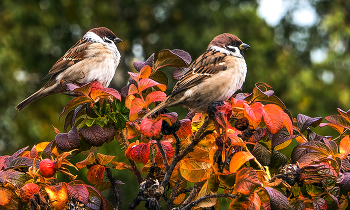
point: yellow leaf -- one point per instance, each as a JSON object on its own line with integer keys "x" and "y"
{"x": 283, "y": 145}
{"x": 195, "y": 171}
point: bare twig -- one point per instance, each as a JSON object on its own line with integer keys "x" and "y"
{"x": 174, "y": 193}
{"x": 200, "y": 134}
{"x": 114, "y": 188}
{"x": 136, "y": 171}
{"x": 196, "y": 188}
{"x": 196, "y": 202}
{"x": 162, "y": 153}
{"x": 136, "y": 202}
{"x": 178, "y": 143}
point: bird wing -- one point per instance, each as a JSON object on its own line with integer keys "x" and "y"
{"x": 206, "y": 65}
{"x": 71, "y": 57}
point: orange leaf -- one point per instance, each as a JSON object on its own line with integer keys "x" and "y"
{"x": 300, "y": 139}
{"x": 238, "y": 159}
{"x": 138, "y": 152}
{"x": 185, "y": 129}
{"x": 137, "y": 105}
{"x": 254, "y": 111}
{"x": 89, "y": 160}
{"x": 104, "y": 159}
{"x": 133, "y": 89}
{"x": 344, "y": 147}
{"x": 58, "y": 195}
{"x": 98, "y": 94}
{"x": 84, "y": 89}
{"x": 5, "y": 196}
{"x": 128, "y": 101}
{"x": 145, "y": 72}
{"x": 95, "y": 174}
{"x": 195, "y": 171}
{"x": 273, "y": 118}
{"x": 121, "y": 165}
{"x": 155, "y": 96}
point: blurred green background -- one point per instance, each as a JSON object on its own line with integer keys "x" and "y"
{"x": 300, "y": 48}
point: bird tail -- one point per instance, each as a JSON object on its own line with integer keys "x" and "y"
{"x": 159, "y": 107}
{"x": 42, "y": 92}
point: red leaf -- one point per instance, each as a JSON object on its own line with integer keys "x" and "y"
{"x": 168, "y": 149}
{"x": 138, "y": 152}
{"x": 246, "y": 181}
{"x": 150, "y": 128}
{"x": 154, "y": 96}
{"x": 185, "y": 129}
{"x": 145, "y": 83}
{"x": 95, "y": 174}
{"x": 254, "y": 111}
{"x": 273, "y": 118}
{"x": 113, "y": 93}
{"x": 96, "y": 85}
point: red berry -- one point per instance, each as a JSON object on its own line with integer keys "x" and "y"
{"x": 28, "y": 190}
{"x": 47, "y": 168}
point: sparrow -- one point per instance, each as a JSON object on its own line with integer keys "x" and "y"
{"x": 95, "y": 57}
{"x": 214, "y": 76}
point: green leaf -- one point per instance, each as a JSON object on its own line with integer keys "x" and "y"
{"x": 120, "y": 122}
{"x": 90, "y": 122}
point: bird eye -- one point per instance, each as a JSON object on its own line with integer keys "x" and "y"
{"x": 107, "y": 40}
{"x": 231, "y": 48}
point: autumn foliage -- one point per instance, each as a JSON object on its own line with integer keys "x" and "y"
{"x": 236, "y": 150}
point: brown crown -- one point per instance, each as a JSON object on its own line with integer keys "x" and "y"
{"x": 224, "y": 39}
{"x": 103, "y": 32}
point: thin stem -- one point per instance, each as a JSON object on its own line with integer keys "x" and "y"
{"x": 114, "y": 188}
{"x": 162, "y": 153}
{"x": 196, "y": 188}
{"x": 174, "y": 193}
{"x": 178, "y": 143}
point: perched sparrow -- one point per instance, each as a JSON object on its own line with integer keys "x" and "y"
{"x": 94, "y": 57}
{"x": 215, "y": 76}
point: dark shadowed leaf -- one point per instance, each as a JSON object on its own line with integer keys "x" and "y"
{"x": 277, "y": 199}
{"x": 94, "y": 135}
{"x": 172, "y": 58}
{"x": 251, "y": 202}
{"x": 15, "y": 155}
{"x": 319, "y": 203}
{"x": 97, "y": 199}
{"x": 344, "y": 185}
{"x": 246, "y": 181}
{"x": 280, "y": 137}
{"x": 332, "y": 202}
{"x": 277, "y": 160}
{"x": 160, "y": 77}
{"x": 262, "y": 154}
{"x": 68, "y": 141}
{"x": 16, "y": 178}
{"x": 79, "y": 192}
{"x": 75, "y": 102}
{"x": 48, "y": 149}
{"x": 149, "y": 62}
{"x": 339, "y": 120}
{"x": 303, "y": 122}
{"x": 21, "y": 161}
{"x": 179, "y": 72}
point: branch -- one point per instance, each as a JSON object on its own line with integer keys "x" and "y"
{"x": 178, "y": 143}
{"x": 162, "y": 153}
{"x": 200, "y": 134}
{"x": 196, "y": 202}
{"x": 196, "y": 188}
{"x": 174, "y": 193}
{"x": 135, "y": 202}
{"x": 136, "y": 171}
{"x": 114, "y": 188}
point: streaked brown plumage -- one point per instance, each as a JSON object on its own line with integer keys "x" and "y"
{"x": 214, "y": 76}
{"x": 94, "y": 57}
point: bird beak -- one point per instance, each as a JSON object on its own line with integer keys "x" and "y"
{"x": 243, "y": 46}
{"x": 117, "y": 40}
